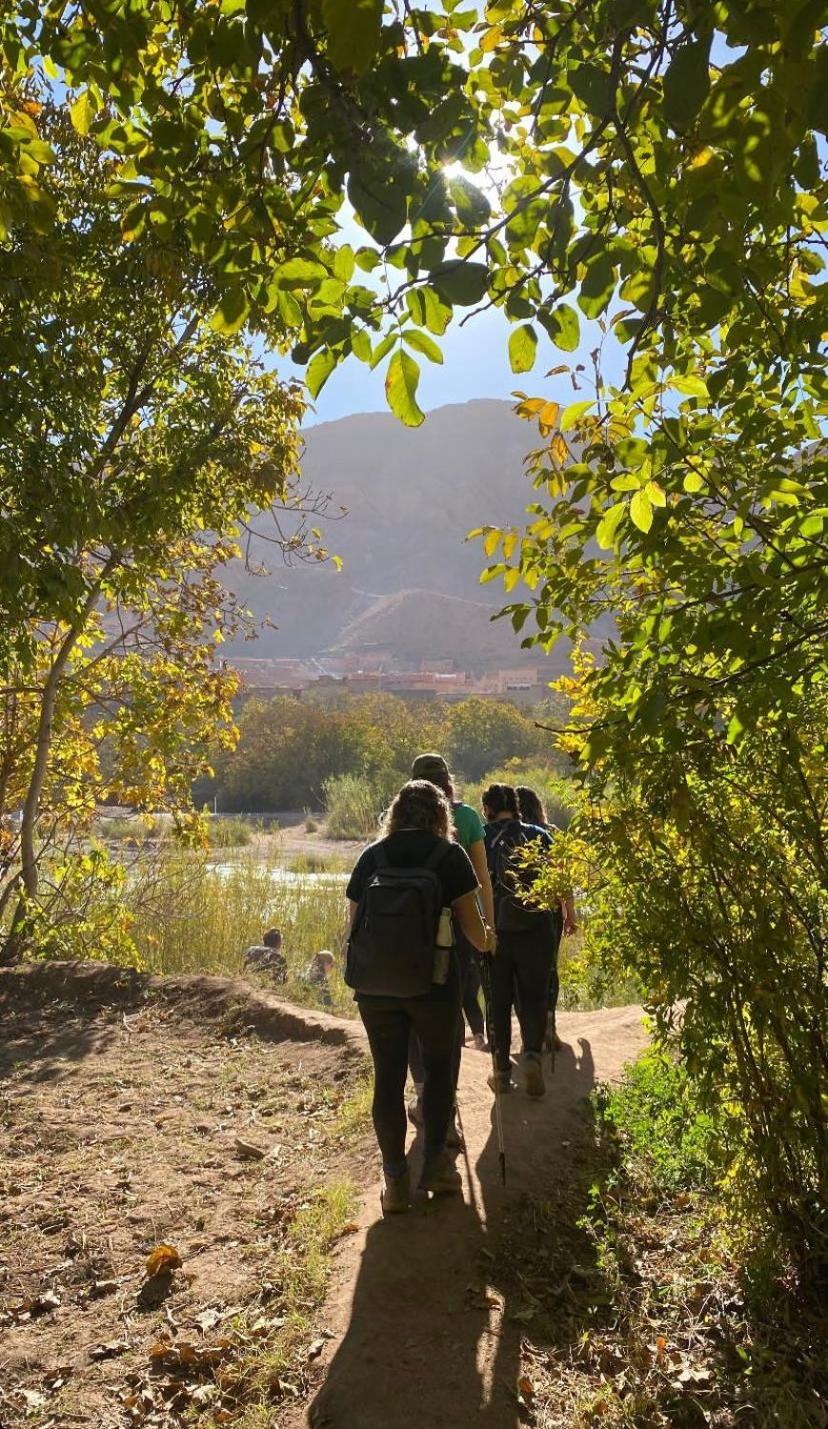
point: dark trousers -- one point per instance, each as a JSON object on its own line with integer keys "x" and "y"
{"x": 467, "y": 963}
{"x": 389, "y": 1023}
{"x": 520, "y": 973}
{"x": 471, "y": 998}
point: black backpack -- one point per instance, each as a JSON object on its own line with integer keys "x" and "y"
{"x": 509, "y": 879}
{"x": 394, "y": 935}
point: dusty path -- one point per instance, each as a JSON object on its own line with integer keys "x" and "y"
{"x": 426, "y": 1326}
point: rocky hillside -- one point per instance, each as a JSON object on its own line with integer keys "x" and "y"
{"x": 411, "y": 496}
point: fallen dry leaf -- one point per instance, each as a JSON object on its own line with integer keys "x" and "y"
{"x": 109, "y": 1351}
{"x": 247, "y": 1150}
{"x": 164, "y": 1257}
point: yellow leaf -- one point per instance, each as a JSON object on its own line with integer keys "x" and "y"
{"x": 163, "y": 1258}
{"x": 491, "y": 39}
{"x": 548, "y": 417}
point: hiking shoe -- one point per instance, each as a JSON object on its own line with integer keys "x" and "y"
{"x": 396, "y": 1195}
{"x": 479, "y": 1042}
{"x": 415, "y": 1111}
{"x": 441, "y": 1177}
{"x": 533, "y": 1074}
{"x": 501, "y": 1082}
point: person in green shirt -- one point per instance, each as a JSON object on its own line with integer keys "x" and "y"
{"x": 471, "y": 836}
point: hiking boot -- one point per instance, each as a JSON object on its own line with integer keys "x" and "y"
{"x": 501, "y": 1082}
{"x": 533, "y": 1074}
{"x": 440, "y": 1176}
{"x": 415, "y": 1111}
{"x": 396, "y": 1195}
{"x": 479, "y": 1042}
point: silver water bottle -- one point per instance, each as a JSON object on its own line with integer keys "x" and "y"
{"x": 445, "y": 943}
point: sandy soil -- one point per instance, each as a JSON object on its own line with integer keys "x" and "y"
{"x": 136, "y": 1112}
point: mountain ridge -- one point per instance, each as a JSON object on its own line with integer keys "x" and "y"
{"x": 411, "y": 497}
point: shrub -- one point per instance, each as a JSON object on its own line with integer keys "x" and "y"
{"x": 355, "y": 804}
{"x": 229, "y": 833}
{"x": 668, "y": 1141}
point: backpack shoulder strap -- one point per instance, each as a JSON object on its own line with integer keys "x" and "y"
{"x": 437, "y": 855}
{"x": 380, "y": 854}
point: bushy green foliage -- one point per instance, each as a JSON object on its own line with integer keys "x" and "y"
{"x": 668, "y": 1140}
{"x": 355, "y": 804}
{"x": 707, "y": 876}
{"x": 291, "y": 752}
{"x": 229, "y": 833}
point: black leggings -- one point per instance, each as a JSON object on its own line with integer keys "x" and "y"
{"x": 469, "y": 977}
{"x": 520, "y": 973}
{"x": 471, "y": 998}
{"x": 389, "y": 1023}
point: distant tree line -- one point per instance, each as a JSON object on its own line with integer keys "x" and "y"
{"x": 288, "y": 749}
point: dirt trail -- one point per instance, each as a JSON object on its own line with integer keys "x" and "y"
{"x": 422, "y": 1333}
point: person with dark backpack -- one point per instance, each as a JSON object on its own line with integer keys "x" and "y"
{"x": 532, "y": 811}
{"x": 403, "y": 968}
{"x": 526, "y": 941}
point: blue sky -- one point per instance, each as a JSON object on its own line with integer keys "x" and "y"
{"x": 475, "y": 365}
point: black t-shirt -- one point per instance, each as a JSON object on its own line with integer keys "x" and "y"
{"x": 411, "y": 848}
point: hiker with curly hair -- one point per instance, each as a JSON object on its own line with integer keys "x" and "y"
{"x": 402, "y": 964}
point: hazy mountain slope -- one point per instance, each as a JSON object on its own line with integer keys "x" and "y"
{"x": 411, "y": 497}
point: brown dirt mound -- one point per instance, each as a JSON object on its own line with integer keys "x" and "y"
{"x": 137, "y": 1111}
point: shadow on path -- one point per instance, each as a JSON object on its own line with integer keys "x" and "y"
{"x": 432, "y": 1337}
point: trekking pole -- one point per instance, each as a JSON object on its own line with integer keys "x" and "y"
{"x": 486, "y": 983}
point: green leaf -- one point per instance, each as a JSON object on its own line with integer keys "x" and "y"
{"x": 344, "y": 263}
{"x": 690, "y": 385}
{"x": 597, "y": 287}
{"x": 422, "y": 343}
{"x": 573, "y": 414}
{"x": 563, "y": 326}
{"x": 523, "y": 346}
{"x": 608, "y": 526}
{"x": 593, "y": 86}
{"x": 401, "y": 383}
{"x": 232, "y": 312}
{"x": 460, "y": 282}
{"x": 353, "y": 32}
{"x": 641, "y": 511}
{"x": 300, "y": 273}
{"x": 82, "y": 112}
{"x": 473, "y": 208}
{"x": 319, "y": 370}
{"x": 382, "y": 349}
{"x": 687, "y": 83}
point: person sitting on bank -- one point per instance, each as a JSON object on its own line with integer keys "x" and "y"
{"x": 268, "y": 957}
{"x": 405, "y": 973}
{"x": 317, "y": 973}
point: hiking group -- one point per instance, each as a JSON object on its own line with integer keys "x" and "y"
{"x": 436, "y": 915}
